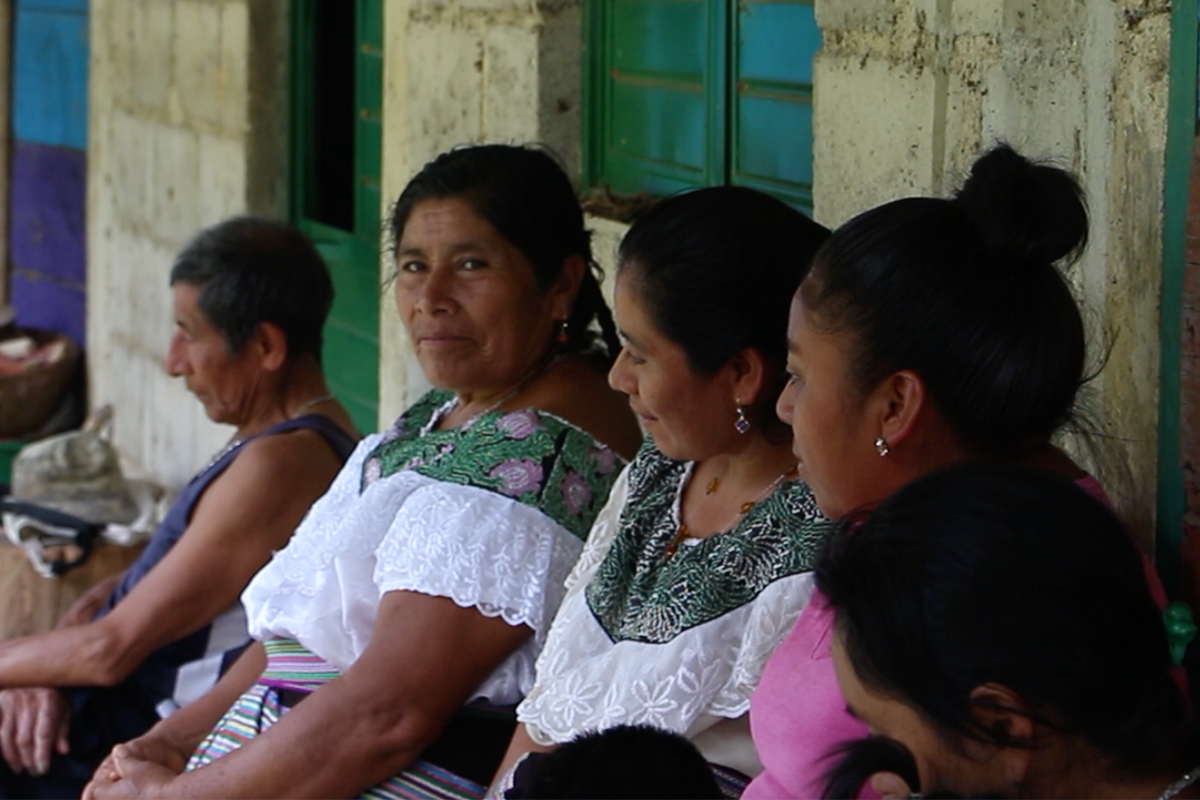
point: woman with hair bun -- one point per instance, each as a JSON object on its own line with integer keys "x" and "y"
{"x": 975, "y": 641}
{"x": 928, "y": 332}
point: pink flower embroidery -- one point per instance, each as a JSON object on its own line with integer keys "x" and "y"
{"x": 373, "y": 472}
{"x": 577, "y": 495}
{"x": 519, "y": 476}
{"x": 605, "y": 459}
{"x": 520, "y": 424}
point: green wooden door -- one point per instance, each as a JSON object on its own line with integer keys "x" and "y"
{"x": 337, "y": 101}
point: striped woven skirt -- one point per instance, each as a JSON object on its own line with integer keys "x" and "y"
{"x": 290, "y": 666}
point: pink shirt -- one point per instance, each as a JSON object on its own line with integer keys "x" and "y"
{"x": 797, "y": 714}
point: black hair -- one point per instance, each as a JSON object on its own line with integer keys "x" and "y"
{"x": 250, "y": 271}
{"x": 965, "y": 293}
{"x": 856, "y": 761}
{"x": 627, "y": 761}
{"x": 527, "y": 197}
{"x": 985, "y": 573}
{"x": 716, "y": 269}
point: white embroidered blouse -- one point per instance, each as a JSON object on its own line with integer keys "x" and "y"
{"x": 677, "y": 642}
{"x": 412, "y": 530}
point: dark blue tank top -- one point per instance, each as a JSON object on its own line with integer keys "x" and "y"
{"x": 182, "y": 671}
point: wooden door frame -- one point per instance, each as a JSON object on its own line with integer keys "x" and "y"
{"x": 1181, "y": 137}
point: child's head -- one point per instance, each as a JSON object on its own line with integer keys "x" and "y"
{"x": 629, "y": 761}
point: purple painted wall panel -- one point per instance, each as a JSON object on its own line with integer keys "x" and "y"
{"x": 44, "y": 303}
{"x": 47, "y": 202}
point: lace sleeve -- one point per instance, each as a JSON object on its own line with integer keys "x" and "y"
{"x": 479, "y": 549}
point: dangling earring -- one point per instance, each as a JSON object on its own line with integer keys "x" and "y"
{"x": 882, "y": 446}
{"x": 563, "y": 337}
{"x": 742, "y": 424}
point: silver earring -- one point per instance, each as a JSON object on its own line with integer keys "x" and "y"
{"x": 742, "y": 424}
{"x": 882, "y": 446}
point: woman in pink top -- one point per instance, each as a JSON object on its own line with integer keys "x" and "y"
{"x": 928, "y": 332}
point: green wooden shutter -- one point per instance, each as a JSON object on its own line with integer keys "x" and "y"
{"x": 337, "y": 100}
{"x": 771, "y": 105}
{"x": 655, "y": 115}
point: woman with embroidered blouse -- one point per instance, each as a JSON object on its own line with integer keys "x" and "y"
{"x": 701, "y": 560}
{"x": 402, "y": 621}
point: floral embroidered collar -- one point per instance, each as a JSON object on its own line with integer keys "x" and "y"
{"x": 529, "y": 455}
{"x": 637, "y": 595}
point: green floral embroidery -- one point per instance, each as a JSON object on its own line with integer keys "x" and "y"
{"x": 528, "y": 455}
{"x": 637, "y": 595}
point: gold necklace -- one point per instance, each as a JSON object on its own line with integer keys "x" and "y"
{"x": 683, "y": 530}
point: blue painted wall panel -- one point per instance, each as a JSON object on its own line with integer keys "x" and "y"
{"x": 44, "y": 303}
{"x": 46, "y": 227}
{"x": 70, "y": 6}
{"x": 50, "y": 63}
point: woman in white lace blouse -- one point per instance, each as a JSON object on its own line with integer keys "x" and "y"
{"x": 701, "y": 560}
{"x": 409, "y": 607}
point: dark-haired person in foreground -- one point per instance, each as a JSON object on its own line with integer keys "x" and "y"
{"x": 971, "y": 633}
{"x": 928, "y": 332}
{"x": 250, "y": 300}
{"x": 628, "y": 761}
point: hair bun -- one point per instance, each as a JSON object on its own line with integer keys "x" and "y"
{"x": 1031, "y": 212}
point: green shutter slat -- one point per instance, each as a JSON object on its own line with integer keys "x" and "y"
{"x": 771, "y": 98}
{"x": 651, "y": 87}
{"x": 660, "y": 36}
{"x": 370, "y": 23}
{"x": 778, "y": 41}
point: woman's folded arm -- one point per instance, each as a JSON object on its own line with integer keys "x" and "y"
{"x": 425, "y": 658}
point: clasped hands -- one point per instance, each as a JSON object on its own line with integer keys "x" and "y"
{"x": 138, "y": 768}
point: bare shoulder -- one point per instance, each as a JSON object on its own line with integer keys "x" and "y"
{"x": 577, "y": 390}
{"x": 298, "y": 462}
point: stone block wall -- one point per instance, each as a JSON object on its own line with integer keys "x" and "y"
{"x": 188, "y": 126}
{"x": 461, "y": 71}
{"x": 909, "y": 91}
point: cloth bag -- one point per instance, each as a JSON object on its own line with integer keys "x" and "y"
{"x": 68, "y": 492}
